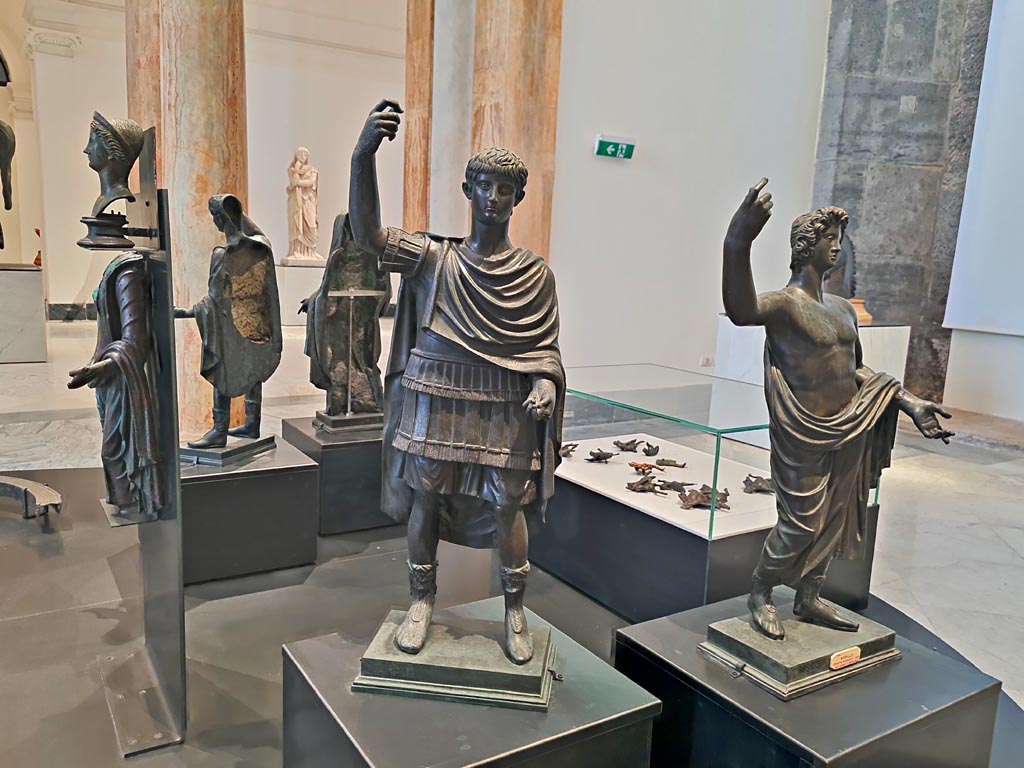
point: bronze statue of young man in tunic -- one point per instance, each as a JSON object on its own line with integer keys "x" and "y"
{"x": 474, "y": 389}
{"x": 832, "y": 420}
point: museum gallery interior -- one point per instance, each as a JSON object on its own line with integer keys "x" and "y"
{"x": 535, "y": 383}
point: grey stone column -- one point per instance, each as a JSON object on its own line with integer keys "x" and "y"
{"x": 897, "y": 119}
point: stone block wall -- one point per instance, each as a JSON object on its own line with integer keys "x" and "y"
{"x": 897, "y": 119}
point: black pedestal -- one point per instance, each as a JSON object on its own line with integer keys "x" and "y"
{"x": 253, "y": 515}
{"x": 644, "y": 568}
{"x": 350, "y": 475}
{"x": 922, "y": 711}
{"x": 596, "y": 717}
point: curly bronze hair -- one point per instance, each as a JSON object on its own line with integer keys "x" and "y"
{"x": 502, "y": 162}
{"x": 808, "y": 228}
{"x": 121, "y": 138}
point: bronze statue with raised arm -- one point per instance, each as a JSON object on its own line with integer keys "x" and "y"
{"x": 474, "y": 389}
{"x": 832, "y": 419}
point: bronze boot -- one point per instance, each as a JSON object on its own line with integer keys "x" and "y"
{"x": 218, "y": 436}
{"x": 412, "y": 634}
{"x": 763, "y": 611}
{"x": 810, "y": 608}
{"x": 518, "y": 642}
{"x": 253, "y": 409}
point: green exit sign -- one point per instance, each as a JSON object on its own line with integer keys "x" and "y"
{"x": 613, "y": 146}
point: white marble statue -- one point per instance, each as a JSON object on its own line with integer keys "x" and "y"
{"x": 303, "y": 219}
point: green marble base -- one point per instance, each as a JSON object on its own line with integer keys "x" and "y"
{"x": 808, "y": 658}
{"x": 463, "y": 660}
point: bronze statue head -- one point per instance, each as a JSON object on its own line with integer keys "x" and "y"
{"x": 113, "y": 148}
{"x": 816, "y": 238}
{"x": 495, "y": 184}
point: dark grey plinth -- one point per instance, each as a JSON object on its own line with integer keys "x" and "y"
{"x": 350, "y": 475}
{"x": 463, "y": 660}
{"x": 348, "y": 422}
{"x": 808, "y": 658}
{"x": 237, "y": 449}
{"x": 257, "y": 514}
{"x": 644, "y": 568}
{"x": 596, "y": 716}
{"x": 925, "y": 711}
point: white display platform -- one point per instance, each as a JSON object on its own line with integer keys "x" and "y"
{"x": 747, "y": 511}
{"x": 295, "y": 283}
{"x": 739, "y": 352}
{"x": 23, "y": 320}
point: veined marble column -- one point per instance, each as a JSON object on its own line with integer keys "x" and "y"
{"x": 199, "y": 72}
{"x": 419, "y": 83}
{"x": 515, "y": 100}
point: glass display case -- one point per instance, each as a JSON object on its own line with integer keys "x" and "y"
{"x": 717, "y": 427}
{"x": 649, "y": 541}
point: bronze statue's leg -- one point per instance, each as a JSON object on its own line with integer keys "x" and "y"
{"x": 253, "y": 409}
{"x": 336, "y": 404}
{"x": 218, "y": 436}
{"x": 513, "y": 542}
{"x": 809, "y": 607}
{"x": 424, "y": 527}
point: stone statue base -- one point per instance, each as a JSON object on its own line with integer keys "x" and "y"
{"x": 463, "y": 660}
{"x": 238, "y": 448}
{"x": 808, "y": 658}
{"x": 347, "y": 422}
{"x": 304, "y": 261}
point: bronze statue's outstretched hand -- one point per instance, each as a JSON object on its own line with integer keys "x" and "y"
{"x": 925, "y": 416}
{"x": 752, "y": 215}
{"x": 303, "y": 306}
{"x": 181, "y": 313}
{"x": 541, "y": 402}
{"x": 382, "y": 122}
{"x": 90, "y": 374}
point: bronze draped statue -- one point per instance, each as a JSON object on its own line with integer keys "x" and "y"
{"x": 239, "y": 320}
{"x": 122, "y": 369}
{"x": 331, "y": 345}
{"x": 832, "y": 420}
{"x": 7, "y": 145}
{"x": 474, "y": 389}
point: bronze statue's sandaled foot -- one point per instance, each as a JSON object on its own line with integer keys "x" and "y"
{"x": 518, "y": 641}
{"x": 764, "y": 613}
{"x": 809, "y": 607}
{"x": 412, "y": 633}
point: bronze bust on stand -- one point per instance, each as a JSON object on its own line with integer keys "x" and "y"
{"x": 123, "y": 367}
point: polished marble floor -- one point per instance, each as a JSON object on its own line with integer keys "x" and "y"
{"x": 950, "y": 550}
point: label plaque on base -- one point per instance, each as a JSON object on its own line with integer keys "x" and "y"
{"x": 463, "y": 660}
{"x": 808, "y": 658}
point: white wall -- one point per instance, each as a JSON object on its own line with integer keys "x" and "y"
{"x": 985, "y": 374}
{"x": 717, "y": 94}
{"x": 986, "y": 356}
{"x": 316, "y": 97}
{"x": 313, "y": 71}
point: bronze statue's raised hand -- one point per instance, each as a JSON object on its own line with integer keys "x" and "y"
{"x": 752, "y": 215}
{"x": 382, "y": 122}
{"x": 541, "y": 402}
{"x": 925, "y": 416}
